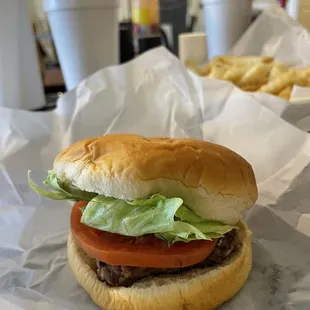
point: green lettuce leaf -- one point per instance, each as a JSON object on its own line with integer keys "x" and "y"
{"x": 167, "y": 218}
{"x": 118, "y": 216}
{"x": 60, "y": 190}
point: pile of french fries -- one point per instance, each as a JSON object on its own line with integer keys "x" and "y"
{"x": 255, "y": 74}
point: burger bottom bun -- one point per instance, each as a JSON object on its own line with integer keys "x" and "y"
{"x": 204, "y": 288}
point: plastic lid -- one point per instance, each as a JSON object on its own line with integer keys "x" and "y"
{"x": 61, "y": 5}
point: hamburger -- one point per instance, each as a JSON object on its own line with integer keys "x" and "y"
{"x": 157, "y": 222}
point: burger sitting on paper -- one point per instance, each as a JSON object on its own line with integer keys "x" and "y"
{"x": 157, "y": 222}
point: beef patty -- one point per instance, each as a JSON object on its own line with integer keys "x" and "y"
{"x": 126, "y": 275}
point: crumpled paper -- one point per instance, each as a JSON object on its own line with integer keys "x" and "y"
{"x": 152, "y": 95}
{"x": 275, "y": 33}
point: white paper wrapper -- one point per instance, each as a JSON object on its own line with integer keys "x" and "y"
{"x": 275, "y": 33}
{"x": 153, "y": 95}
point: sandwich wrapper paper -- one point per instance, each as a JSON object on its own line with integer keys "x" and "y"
{"x": 275, "y": 33}
{"x": 154, "y": 95}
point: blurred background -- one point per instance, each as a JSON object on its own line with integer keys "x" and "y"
{"x": 73, "y": 39}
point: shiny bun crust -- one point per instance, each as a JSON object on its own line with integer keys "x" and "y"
{"x": 213, "y": 181}
{"x": 197, "y": 289}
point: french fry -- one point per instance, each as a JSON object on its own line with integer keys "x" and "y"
{"x": 242, "y": 60}
{"x": 218, "y": 60}
{"x": 217, "y": 72}
{"x": 206, "y": 70}
{"x": 193, "y": 67}
{"x": 276, "y": 85}
{"x": 257, "y": 74}
{"x": 234, "y": 74}
{"x": 251, "y": 87}
{"x": 278, "y": 69}
{"x": 301, "y": 79}
{"x": 305, "y": 71}
{"x": 286, "y": 92}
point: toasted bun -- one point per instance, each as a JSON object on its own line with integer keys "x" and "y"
{"x": 213, "y": 181}
{"x": 196, "y": 289}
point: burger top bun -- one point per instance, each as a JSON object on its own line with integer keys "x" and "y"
{"x": 213, "y": 181}
{"x": 203, "y": 289}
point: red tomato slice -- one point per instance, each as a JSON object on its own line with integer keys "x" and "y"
{"x": 145, "y": 251}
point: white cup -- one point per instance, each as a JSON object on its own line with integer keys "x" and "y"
{"x": 225, "y": 22}
{"x": 85, "y": 34}
{"x": 21, "y": 85}
{"x": 193, "y": 46}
